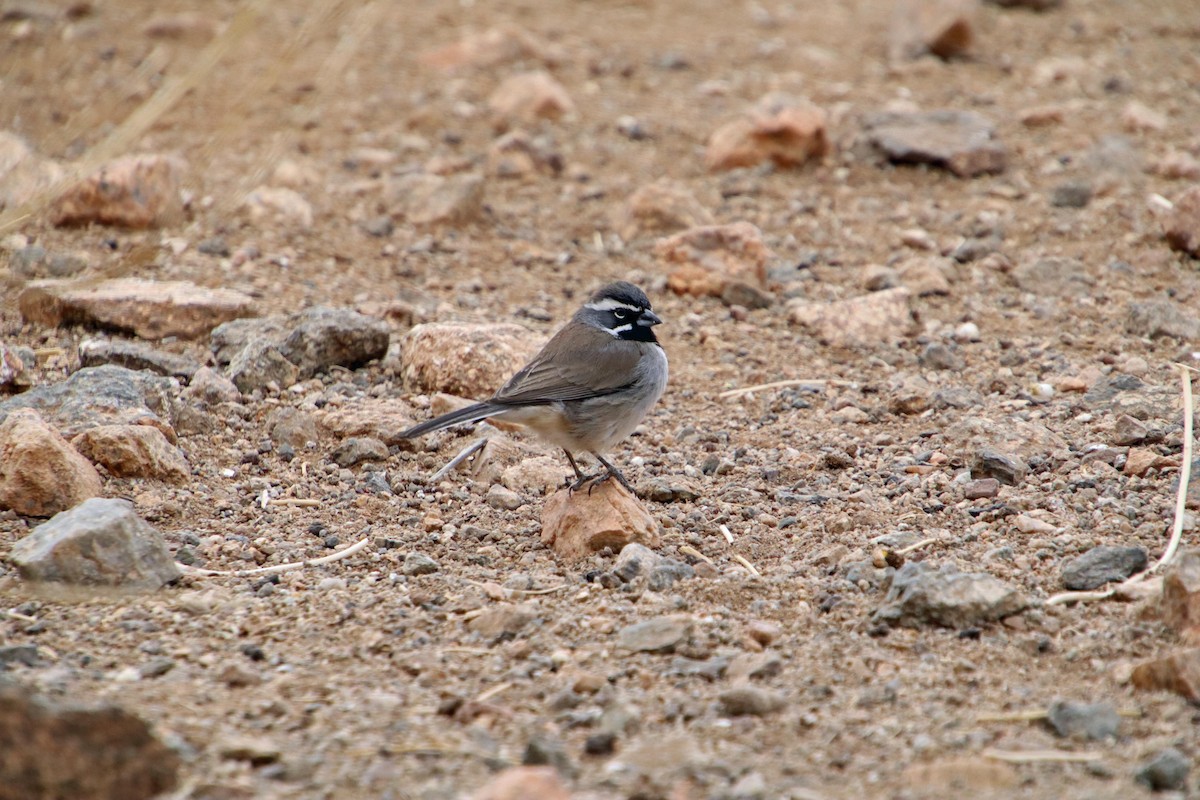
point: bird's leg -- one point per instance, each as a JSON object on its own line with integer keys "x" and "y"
{"x": 580, "y": 478}
{"x": 613, "y": 472}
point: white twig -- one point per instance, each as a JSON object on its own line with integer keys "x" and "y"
{"x": 815, "y": 383}
{"x": 463, "y": 455}
{"x": 1185, "y": 473}
{"x": 745, "y": 563}
{"x": 315, "y": 562}
{"x": 1038, "y": 756}
{"x": 728, "y": 534}
{"x": 903, "y": 551}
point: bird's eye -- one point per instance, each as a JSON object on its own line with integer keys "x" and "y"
{"x": 621, "y": 313}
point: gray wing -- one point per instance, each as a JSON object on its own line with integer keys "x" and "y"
{"x": 553, "y": 375}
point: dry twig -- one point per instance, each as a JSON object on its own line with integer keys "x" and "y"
{"x": 462, "y": 456}
{"x": 1039, "y": 756}
{"x": 315, "y": 562}
{"x": 816, "y": 383}
{"x": 742, "y": 560}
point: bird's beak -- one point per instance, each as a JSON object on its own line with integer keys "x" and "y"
{"x": 649, "y": 318}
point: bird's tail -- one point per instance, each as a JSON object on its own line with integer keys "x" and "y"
{"x": 462, "y": 416}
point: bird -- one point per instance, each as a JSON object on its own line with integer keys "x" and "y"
{"x": 588, "y": 388}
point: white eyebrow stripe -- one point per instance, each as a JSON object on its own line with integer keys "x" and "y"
{"x": 617, "y": 331}
{"x": 610, "y": 304}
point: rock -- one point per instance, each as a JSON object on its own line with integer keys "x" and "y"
{"x": 34, "y": 262}
{"x": 233, "y": 337}
{"x": 944, "y": 28}
{"x": 260, "y": 364}
{"x": 981, "y": 489}
{"x": 753, "y": 666}
{"x": 258, "y": 750}
{"x": 1026, "y": 523}
{"x": 502, "y": 44}
{"x": 380, "y": 418}
{"x": 23, "y": 173}
{"x": 269, "y": 206}
{"x": 23, "y": 654}
{"x": 527, "y": 97}
{"x": 707, "y": 260}
{"x": 1033, "y": 5}
{"x": 657, "y": 635}
{"x": 1140, "y": 460}
{"x": 1006, "y": 468}
{"x": 1180, "y": 603}
{"x": 1182, "y": 226}
{"x": 524, "y": 783}
{"x": 13, "y": 369}
{"x": 866, "y": 320}
{"x": 925, "y": 276}
{"x": 545, "y": 751}
{"x": 577, "y": 524}
{"x": 516, "y": 155}
{"x": 1137, "y": 117}
{"x": 149, "y": 309}
{"x": 941, "y": 357}
{"x": 1177, "y": 165}
{"x": 437, "y": 201}
{"x": 185, "y": 27}
{"x": 139, "y": 191}
{"x": 40, "y": 473}
{"x": 325, "y": 337}
{"x": 1167, "y": 771}
{"x": 136, "y": 356}
{"x": 107, "y": 395}
{"x": 98, "y": 751}
{"x": 1101, "y": 565}
{"x": 783, "y": 130}
{"x": 921, "y": 594}
{"x": 98, "y": 542}
{"x": 209, "y": 387}
{"x": 1088, "y": 721}
{"x": 740, "y": 701}
{"x": 503, "y": 499}
{"x": 1161, "y": 318}
{"x": 669, "y": 490}
{"x": 357, "y": 449}
{"x": 541, "y": 474}
{"x": 1178, "y": 672}
{"x": 712, "y": 669}
{"x": 471, "y": 360}
{"x": 1055, "y": 276}
{"x": 504, "y": 619}
{"x": 134, "y": 451}
{"x": 1129, "y": 431}
{"x": 962, "y": 142}
{"x": 1072, "y": 194}
{"x": 955, "y": 777}
{"x": 660, "y": 572}
{"x": 664, "y": 206}
{"x": 419, "y": 564}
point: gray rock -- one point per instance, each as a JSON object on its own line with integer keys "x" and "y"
{"x": 981, "y": 489}
{"x": 101, "y": 541}
{"x": 260, "y": 363}
{"x": 543, "y": 751}
{"x": 136, "y": 356}
{"x": 292, "y": 426}
{"x": 1092, "y": 721}
{"x": 24, "y": 654}
{"x": 358, "y": 449}
{"x": 502, "y": 498}
{"x": 98, "y": 752}
{"x": 659, "y": 635}
{"x": 667, "y": 490}
{"x": 504, "y": 619}
{"x": 230, "y": 338}
{"x": 1008, "y": 469}
{"x": 939, "y": 356}
{"x": 419, "y": 564}
{"x": 1055, "y": 276}
{"x": 1102, "y": 564}
{"x": 1166, "y": 771}
{"x": 107, "y": 395}
{"x": 327, "y": 337}
{"x": 921, "y": 594}
{"x": 661, "y": 572}
{"x": 210, "y": 388}
{"x": 1129, "y": 431}
{"x": 740, "y": 701}
{"x": 962, "y": 142}
{"x": 1072, "y": 194}
{"x": 28, "y": 262}
{"x": 1163, "y": 318}
{"x": 709, "y": 668}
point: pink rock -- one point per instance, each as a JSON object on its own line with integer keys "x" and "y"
{"x": 150, "y": 309}
{"x": 1182, "y": 227}
{"x": 133, "y": 451}
{"x": 706, "y": 260}
{"x": 580, "y": 523}
{"x": 868, "y": 319}
{"x": 661, "y": 207}
{"x": 500, "y": 45}
{"x": 786, "y": 131}
{"x": 471, "y": 360}
{"x": 529, "y": 97}
{"x": 524, "y": 783}
{"x": 40, "y": 473}
{"x": 139, "y": 191}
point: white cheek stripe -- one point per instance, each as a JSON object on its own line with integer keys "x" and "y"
{"x": 609, "y": 304}
{"x": 617, "y": 331}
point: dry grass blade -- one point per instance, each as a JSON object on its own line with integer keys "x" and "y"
{"x": 903, "y": 551}
{"x": 315, "y": 562}
{"x": 492, "y": 692}
{"x": 1185, "y": 475}
{"x": 745, "y": 563}
{"x": 816, "y": 383}
{"x": 1039, "y": 756}
{"x": 688, "y": 550}
{"x": 468, "y": 451}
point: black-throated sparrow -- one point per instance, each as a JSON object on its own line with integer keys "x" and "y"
{"x": 589, "y": 387}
